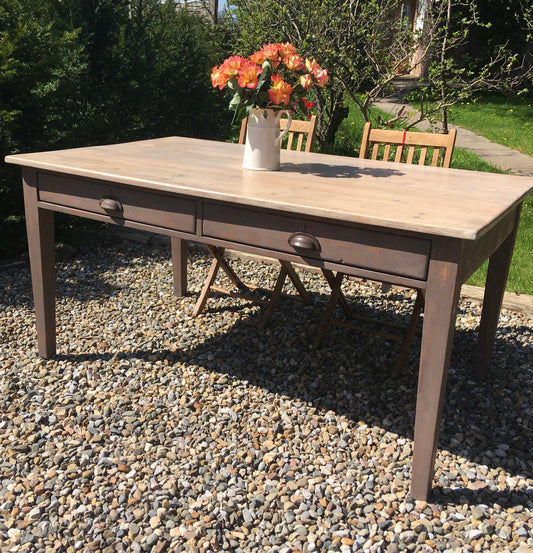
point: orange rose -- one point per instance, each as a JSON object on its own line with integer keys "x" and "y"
{"x": 249, "y": 75}
{"x": 294, "y": 62}
{"x": 280, "y": 91}
{"x": 286, "y": 49}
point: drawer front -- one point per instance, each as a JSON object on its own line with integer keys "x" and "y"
{"x": 120, "y": 202}
{"x": 344, "y": 244}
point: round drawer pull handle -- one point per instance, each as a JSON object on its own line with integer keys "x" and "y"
{"x": 109, "y": 204}
{"x": 304, "y": 241}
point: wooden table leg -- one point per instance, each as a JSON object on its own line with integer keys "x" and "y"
{"x": 40, "y": 230}
{"x": 179, "y": 265}
{"x": 499, "y": 264}
{"x": 442, "y": 298}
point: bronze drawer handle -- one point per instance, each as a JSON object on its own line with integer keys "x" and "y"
{"x": 304, "y": 241}
{"x": 109, "y": 204}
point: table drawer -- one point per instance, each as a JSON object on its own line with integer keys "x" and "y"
{"x": 338, "y": 243}
{"x": 120, "y": 202}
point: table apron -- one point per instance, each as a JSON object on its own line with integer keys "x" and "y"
{"x": 397, "y": 257}
{"x": 475, "y": 253}
{"x": 117, "y": 203}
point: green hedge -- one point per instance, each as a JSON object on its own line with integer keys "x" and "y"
{"x": 85, "y": 72}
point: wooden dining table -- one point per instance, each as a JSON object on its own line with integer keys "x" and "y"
{"x": 421, "y": 227}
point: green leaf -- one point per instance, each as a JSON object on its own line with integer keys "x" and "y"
{"x": 299, "y": 90}
{"x": 235, "y": 101}
{"x": 264, "y": 78}
{"x": 233, "y": 84}
{"x": 263, "y": 98}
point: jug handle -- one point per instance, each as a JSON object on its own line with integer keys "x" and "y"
{"x": 286, "y": 129}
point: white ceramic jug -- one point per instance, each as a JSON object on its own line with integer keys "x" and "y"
{"x": 263, "y": 139}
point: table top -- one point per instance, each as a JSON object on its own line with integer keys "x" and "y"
{"x": 444, "y": 202}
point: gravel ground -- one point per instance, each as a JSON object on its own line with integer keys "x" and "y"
{"x": 153, "y": 431}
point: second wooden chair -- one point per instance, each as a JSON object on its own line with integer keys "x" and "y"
{"x": 400, "y": 147}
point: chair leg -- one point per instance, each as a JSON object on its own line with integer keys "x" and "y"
{"x": 218, "y": 254}
{"x": 295, "y": 279}
{"x": 409, "y": 334}
{"x": 330, "y": 277}
{"x": 333, "y": 300}
{"x": 287, "y": 270}
{"x": 336, "y": 296}
{"x": 206, "y": 289}
{"x": 219, "y": 262}
{"x": 274, "y": 297}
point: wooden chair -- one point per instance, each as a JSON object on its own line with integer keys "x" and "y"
{"x": 400, "y": 147}
{"x": 407, "y": 147}
{"x": 301, "y": 137}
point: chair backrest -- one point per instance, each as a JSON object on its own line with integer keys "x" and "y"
{"x": 407, "y": 147}
{"x": 300, "y": 136}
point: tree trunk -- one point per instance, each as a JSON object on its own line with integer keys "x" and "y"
{"x": 326, "y": 135}
{"x": 444, "y": 75}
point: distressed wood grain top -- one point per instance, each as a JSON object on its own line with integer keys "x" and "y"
{"x": 444, "y": 202}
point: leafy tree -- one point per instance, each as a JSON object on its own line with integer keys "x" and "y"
{"x": 165, "y": 83}
{"x": 365, "y": 44}
{"x": 455, "y": 29}
{"x": 357, "y": 42}
{"x": 498, "y": 23}
{"x": 148, "y": 66}
{"x": 39, "y": 79}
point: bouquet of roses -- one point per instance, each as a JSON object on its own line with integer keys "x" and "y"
{"x": 274, "y": 77}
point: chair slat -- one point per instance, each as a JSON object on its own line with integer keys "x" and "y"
{"x": 399, "y": 153}
{"x": 410, "y": 154}
{"x": 435, "y": 158}
{"x": 290, "y": 137}
{"x": 423, "y": 153}
{"x": 242, "y": 134}
{"x": 302, "y": 131}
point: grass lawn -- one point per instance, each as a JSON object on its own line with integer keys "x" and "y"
{"x": 520, "y": 280}
{"x": 501, "y": 119}
{"x": 521, "y": 272}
